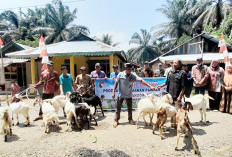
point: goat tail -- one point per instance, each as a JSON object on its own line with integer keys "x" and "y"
{"x": 208, "y": 97}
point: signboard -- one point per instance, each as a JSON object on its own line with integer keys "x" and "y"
{"x": 104, "y": 89}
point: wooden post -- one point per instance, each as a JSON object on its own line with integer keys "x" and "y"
{"x": 33, "y": 71}
{"x": 72, "y": 66}
{"x": 111, "y": 60}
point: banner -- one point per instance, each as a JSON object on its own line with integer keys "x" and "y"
{"x": 104, "y": 89}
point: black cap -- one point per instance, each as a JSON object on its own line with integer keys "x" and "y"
{"x": 146, "y": 62}
{"x": 115, "y": 66}
{"x": 50, "y": 63}
{"x": 128, "y": 65}
{"x": 199, "y": 59}
{"x": 184, "y": 64}
{"x": 83, "y": 68}
{"x": 63, "y": 67}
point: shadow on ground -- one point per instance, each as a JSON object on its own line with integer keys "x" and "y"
{"x": 83, "y": 152}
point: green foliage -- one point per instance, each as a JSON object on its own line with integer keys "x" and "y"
{"x": 225, "y": 29}
{"x": 145, "y": 51}
{"x": 184, "y": 38}
{"x": 181, "y": 15}
{"x": 54, "y": 21}
{"x": 107, "y": 39}
{"x": 30, "y": 43}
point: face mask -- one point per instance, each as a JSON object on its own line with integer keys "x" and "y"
{"x": 199, "y": 64}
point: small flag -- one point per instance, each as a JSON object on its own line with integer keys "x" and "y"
{"x": 1, "y": 42}
{"x": 223, "y": 49}
{"x": 44, "y": 53}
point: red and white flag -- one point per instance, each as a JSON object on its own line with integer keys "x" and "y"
{"x": 44, "y": 53}
{"x": 1, "y": 42}
{"x": 223, "y": 49}
{"x": 2, "y": 72}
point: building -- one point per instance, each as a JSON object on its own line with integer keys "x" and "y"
{"x": 15, "y": 69}
{"x": 192, "y": 49}
{"x": 74, "y": 53}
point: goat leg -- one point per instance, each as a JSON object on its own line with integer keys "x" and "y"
{"x": 64, "y": 113}
{"x": 194, "y": 145}
{"x": 95, "y": 109}
{"x": 139, "y": 115}
{"x": 178, "y": 138}
{"x": 17, "y": 116}
{"x": 102, "y": 110}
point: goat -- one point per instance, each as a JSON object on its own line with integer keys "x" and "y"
{"x": 200, "y": 102}
{"x": 20, "y": 108}
{"x": 49, "y": 116}
{"x": 70, "y": 109}
{"x": 84, "y": 111}
{"x": 59, "y": 101}
{"x": 150, "y": 105}
{"x": 5, "y": 121}
{"x": 93, "y": 101}
{"x": 165, "y": 111}
{"x": 184, "y": 125}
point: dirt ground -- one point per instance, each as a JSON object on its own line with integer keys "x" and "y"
{"x": 213, "y": 139}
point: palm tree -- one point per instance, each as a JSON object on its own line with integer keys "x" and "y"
{"x": 182, "y": 14}
{"x": 107, "y": 39}
{"x": 145, "y": 51}
{"x": 214, "y": 14}
{"x": 58, "y": 19}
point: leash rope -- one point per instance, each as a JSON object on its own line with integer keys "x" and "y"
{"x": 21, "y": 94}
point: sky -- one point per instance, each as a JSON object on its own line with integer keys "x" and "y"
{"x": 120, "y": 18}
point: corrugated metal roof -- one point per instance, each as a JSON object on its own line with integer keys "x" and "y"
{"x": 204, "y": 35}
{"x": 24, "y": 46}
{"x": 191, "y": 58}
{"x": 70, "y": 48}
{"x": 9, "y": 61}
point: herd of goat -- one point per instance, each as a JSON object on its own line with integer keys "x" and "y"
{"x": 80, "y": 109}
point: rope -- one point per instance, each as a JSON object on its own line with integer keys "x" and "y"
{"x": 21, "y": 94}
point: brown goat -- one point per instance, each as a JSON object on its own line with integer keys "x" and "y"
{"x": 183, "y": 125}
{"x": 161, "y": 120}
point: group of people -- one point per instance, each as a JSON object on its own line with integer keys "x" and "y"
{"x": 181, "y": 81}
{"x": 53, "y": 83}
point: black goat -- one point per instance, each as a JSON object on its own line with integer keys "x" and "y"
{"x": 83, "y": 113}
{"x": 93, "y": 101}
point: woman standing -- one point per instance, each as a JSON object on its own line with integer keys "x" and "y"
{"x": 215, "y": 74}
{"x": 225, "y": 104}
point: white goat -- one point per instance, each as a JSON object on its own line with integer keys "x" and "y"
{"x": 70, "y": 112}
{"x": 5, "y": 121}
{"x": 200, "y": 102}
{"x": 151, "y": 105}
{"x": 59, "y": 101}
{"x": 49, "y": 116}
{"x": 20, "y": 108}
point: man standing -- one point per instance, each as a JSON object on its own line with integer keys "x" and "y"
{"x": 159, "y": 72}
{"x": 125, "y": 81}
{"x": 176, "y": 81}
{"x": 66, "y": 81}
{"x": 97, "y": 73}
{"x": 199, "y": 76}
{"x": 50, "y": 81}
{"x": 114, "y": 74}
{"x": 147, "y": 72}
{"x": 83, "y": 80}
{"x": 189, "y": 83}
